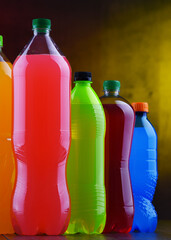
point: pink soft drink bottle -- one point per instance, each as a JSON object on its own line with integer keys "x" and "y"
{"x": 41, "y": 136}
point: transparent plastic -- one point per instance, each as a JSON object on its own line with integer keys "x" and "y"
{"x": 119, "y": 130}
{"x": 143, "y": 170}
{"x": 85, "y": 169}
{"x": 7, "y": 170}
{"x": 41, "y": 138}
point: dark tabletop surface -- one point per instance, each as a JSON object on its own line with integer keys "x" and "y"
{"x": 163, "y": 231}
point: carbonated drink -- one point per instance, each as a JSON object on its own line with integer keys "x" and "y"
{"x": 41, "y": 136}
{"x": 85, "y": 170}
{"x": 7, "y": 171}
{"x": 119, "y": 130}
{"x": 143, "y": 170}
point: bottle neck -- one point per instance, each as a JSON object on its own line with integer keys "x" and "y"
{"x": 141, "y": 114}
{"x": 83, "y": 83}
{"x": 108, "y": 93}
{"x": 42, "y": 31}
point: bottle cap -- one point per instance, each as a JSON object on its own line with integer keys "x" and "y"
{"x": 82, "y": 76}
{"x": 1, "y": 41}
{"x": 41, "y": 23}
{"x": 111, "y": 85}
{"x": 140, "y": 106}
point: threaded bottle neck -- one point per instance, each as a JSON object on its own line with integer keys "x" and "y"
{"x": 82, "y": 83}
{"x": 141, "y": 114}
{"x": 108, "y": 93}
{"x": 42, "y": 31}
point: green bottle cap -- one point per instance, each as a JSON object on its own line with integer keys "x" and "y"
{"x": 41, "y": 23}
{"x": 111, "y": 85}
{"x": 1, "y": 41}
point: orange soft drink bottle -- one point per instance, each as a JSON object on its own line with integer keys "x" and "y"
{"x": 6, "y": 156}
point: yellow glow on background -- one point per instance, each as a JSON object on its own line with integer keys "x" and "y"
{"x": 132, "y": 43}
{"x": 134, "y": 46}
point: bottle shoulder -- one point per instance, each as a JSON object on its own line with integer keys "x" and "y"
{"x": 117, "y": 105}
{"x": 84, "y": 95}
{"x": 3, "y": 58}
{"x": 143, "y": 122}
{"x": 113, "y": 99}
{"x": 41, "y": 44}
{"x": 87, "y": 111}
{"x": 144, "y": 127}
{"x": 5, "y": 65}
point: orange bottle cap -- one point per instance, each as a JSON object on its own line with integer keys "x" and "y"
{"x": 140, "y": 106}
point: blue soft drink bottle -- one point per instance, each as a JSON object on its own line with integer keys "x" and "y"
{"x": 143, "y": 170}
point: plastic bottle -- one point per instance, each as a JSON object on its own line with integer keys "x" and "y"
{"x": 85, "y": 169}
{"x": 7, "y": 171}
{"x": 119, "y": 130}
{"x": 143, "y": 170}
{"x": 41, "y": 136}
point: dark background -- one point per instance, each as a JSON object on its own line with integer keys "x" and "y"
{"x": 128, "y": 40}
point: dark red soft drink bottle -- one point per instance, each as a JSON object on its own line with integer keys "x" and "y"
{"x": 41, "y": 136}
{"x": 119, "y": 130}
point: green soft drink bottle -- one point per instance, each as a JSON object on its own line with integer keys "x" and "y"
{"x": 85, "y": 169}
